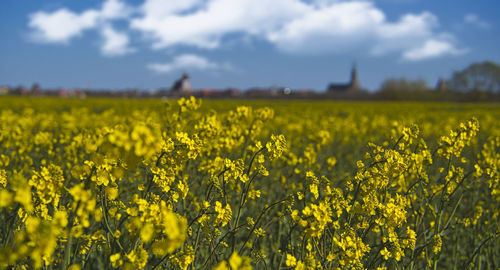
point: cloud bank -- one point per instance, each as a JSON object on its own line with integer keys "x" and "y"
{"x": 114, "y": 43}
{"x": 291, "y": 26}
{"x": 187, "y": 61}
{"x": 474, "y": 19}
{"x": 62, "y": 25}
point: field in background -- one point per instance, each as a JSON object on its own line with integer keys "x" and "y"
{"x": 195, "y": 184}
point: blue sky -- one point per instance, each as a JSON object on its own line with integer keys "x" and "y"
{"x": 241, "y": 43}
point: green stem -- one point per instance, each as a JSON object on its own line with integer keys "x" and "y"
{"x": 256, "y": 222}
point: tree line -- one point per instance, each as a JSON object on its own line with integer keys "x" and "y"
{"x": 477, "y": 77}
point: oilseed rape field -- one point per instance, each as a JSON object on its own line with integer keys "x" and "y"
{"x": 202, "y": 184}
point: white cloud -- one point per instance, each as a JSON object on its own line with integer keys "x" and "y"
{"x": 292, "y": 26}
{"x": 205, "y": 25}
{"x": 432, "y": 48}
{"x": 474, "y": 19}
{"x": 411, "y": 30}
{"x": 337, "y": 27}
{"x": 160, "y": 8}
{"x": 187, "y": 62}
{"x": 115, "y": 9}
{"x": 62, "y": 25}
{"x": 115, "y": 43}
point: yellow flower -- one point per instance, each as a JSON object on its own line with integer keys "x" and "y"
{"x": 276, "y": 146}
{"x": 3, "y": 178}
{"x": 5, "y": 198}
{"x": 239, "y": 263}
{"x": 314, "y": 190}
{"x": 224, "y": 214}
{"x": 385, "y": 253}
{"x": 116, "y": 260}
{"x": 147, "y": 232}
{"x": 290, "y": 260}
{"x": 74, "y": 267}
{"x": 301, "y": 266}
{"x": 436, "y": 244}
{"x": 235, "y": 261}
{"x": 221, "y": 266}
{"x": 112, "y": 192}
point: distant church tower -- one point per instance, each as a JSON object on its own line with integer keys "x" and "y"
{"x": 352, "y": 86}
{"x": 441, "y": 85}
{"x": 355, "y": 86}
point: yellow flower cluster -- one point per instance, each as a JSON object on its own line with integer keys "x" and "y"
{"x": 149, "y": 184}
{"x": 224, "y": 214}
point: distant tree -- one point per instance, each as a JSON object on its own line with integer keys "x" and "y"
{"x": 403, "y": 84}
{"x": 483, "y": 76}
{"x": 35, "y": 88}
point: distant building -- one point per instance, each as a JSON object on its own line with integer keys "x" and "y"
{"x": 182, "y": 86}
{"x": 4, "y": 90}
{"x": 257, "y": 92}
{"x": 352, "y": 86}
{"x": 36, "y": 89}
{"x": 441, "y": 85}
{"x": 219, "y": 93}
